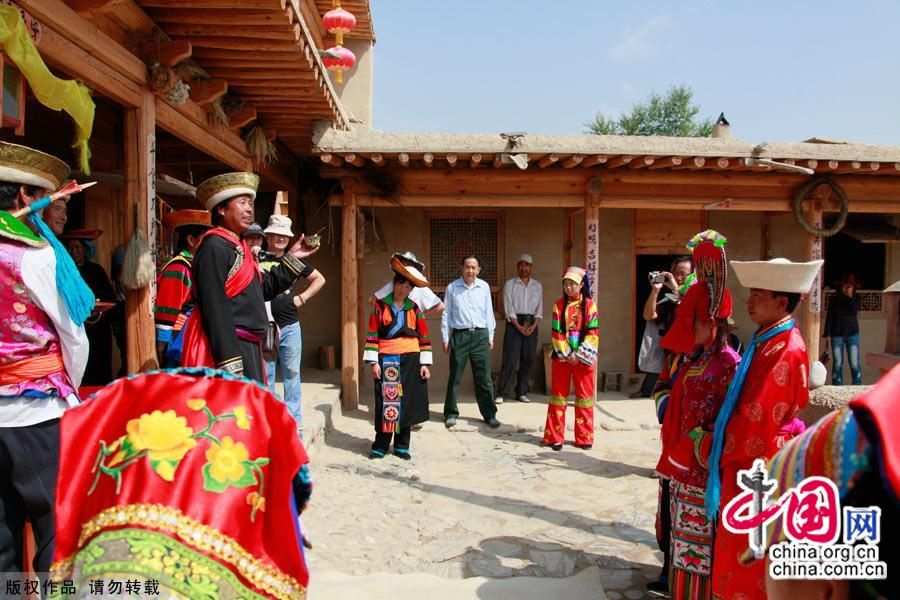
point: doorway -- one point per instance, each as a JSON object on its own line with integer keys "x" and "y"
{"x": 644, "y": 264}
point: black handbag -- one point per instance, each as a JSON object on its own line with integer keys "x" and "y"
{"x": 270, "y": 342}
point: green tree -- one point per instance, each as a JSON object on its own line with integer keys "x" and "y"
{"x": 672, "y": 114}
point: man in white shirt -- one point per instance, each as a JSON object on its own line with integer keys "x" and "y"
{"x": 428, "y": 301}
{"x": 43, "y": 354}
{"x": 523, "y": 303}
{"x": 467, "y": 331}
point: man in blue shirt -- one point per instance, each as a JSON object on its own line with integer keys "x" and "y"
{"x": 467, "y": 329}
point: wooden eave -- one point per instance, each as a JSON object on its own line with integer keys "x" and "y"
{"x": 265, "y": 52}
{"x": 366, "y": 146}
{"x": 463, "y": 172}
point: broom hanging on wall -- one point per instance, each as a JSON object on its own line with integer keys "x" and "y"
{"x": 138, "y": 270}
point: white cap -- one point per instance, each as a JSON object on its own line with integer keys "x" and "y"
{"x": 525, "y": 258}
{"x": 778, "y": 274}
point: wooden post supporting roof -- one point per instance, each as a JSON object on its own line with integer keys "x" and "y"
{"x": 140, "y": 193}
{"x": 349, "y": 301}
{"x": 814, "y": 251}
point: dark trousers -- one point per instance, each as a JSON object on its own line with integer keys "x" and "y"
{"x": 29, "y": 461}
{"x": 648, "y": 385}
{"x": 517, "y": 349}
{"x": 383, "y": 440}
{"x": 464, "y": 346}
{"x": 664, "y": 526}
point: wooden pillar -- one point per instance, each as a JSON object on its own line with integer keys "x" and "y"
{"x": 139, "y": 195}
{"x": 592, "y": 247}
{"x": 361, "y": 296}
{"x": 592, "y": 232}
{"x": 814, "y": 251}
{"x": 350, "y": 348}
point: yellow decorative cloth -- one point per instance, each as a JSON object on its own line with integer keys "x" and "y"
{"x": 51, "y": 91}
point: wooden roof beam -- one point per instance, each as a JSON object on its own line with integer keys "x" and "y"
{"x": 474, "y": 160}
{"x": 403, "y": 159}
{"x": 619, "y": 161}
{"x": 641, "y": 162}
{"x": 377, "y": 159}
{"x": 331, "y": 159}
{"x": 242, "y": 43}
{"x": 696, "y": 162}
{"x": 572, "y": 161}
{"x": 353, "y": 159}
{"x": 666, "y": 162}
{"x": 498, "y": 161}
{"x": 590, "y": 161}
{"x": 451, "y": 160}
{"x": 548, "y": 160}
{"x": 170, "y": 53}
{"x": 205, "y": 91}
{"x": 428, "y": 159}
{"x": 217, "y": 16}
{"x": 258, "y": 32}
{"x": 853, "y": 166}
{"x": 242, "y": 117}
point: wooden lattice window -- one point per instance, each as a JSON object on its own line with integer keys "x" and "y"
{"x": 451, "y": 236}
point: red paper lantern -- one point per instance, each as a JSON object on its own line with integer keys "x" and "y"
{"x": 338, "y": 22}
{"x": 346, "y": 59}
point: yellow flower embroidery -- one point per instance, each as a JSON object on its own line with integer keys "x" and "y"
{"x": 196, "y": 403}
{"x": 227, "y": 460}
{"x": 164, "y": 435}
{"x": 242, "y": 420}
{"x": 165, "y": 470}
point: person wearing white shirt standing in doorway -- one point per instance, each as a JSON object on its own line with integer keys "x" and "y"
{"x": 467, "y": 330}
{"x": 523, "y": 302}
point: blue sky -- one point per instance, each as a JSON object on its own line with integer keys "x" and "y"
{"x": 781, "y": 71}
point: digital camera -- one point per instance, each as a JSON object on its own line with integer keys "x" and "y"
{"x": 656, "y": 277}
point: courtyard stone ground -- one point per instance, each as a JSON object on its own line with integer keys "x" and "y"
{"x": 481, "y": 513}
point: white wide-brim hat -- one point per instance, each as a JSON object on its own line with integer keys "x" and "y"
{"x": 279, "y": 225}
{"x": 777, "y": 275}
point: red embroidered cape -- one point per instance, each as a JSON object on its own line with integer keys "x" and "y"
{"x": 193, "y": 466}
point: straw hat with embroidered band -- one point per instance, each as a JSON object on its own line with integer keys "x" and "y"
{"x": 777, "y": 275}
{"x": 20, "y": 164}
{"x": 220, "y": 188}
{"x": 182, "y": 218}
{"x": 414, "y": 275}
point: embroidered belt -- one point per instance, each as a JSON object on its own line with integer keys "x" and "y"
{"x": 29, "y": 369}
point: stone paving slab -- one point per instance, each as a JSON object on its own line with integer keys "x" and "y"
{"x": 476, "y": 502}
{"x": 331, "y": 585}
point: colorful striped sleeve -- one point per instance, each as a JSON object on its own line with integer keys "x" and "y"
{"x": 592, "y": 333}
{"x": 558, "y": 331}
{"x": 664, "y": 384}
{"x": 173, "y": 291}
{"x": 425, "y": 356}
{"x": 370, "y": 353}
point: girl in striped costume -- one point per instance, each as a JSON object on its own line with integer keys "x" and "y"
{"x": 574, "y": 337}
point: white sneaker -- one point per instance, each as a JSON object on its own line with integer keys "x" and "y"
{"x": 523, "y": 398}
{"x": 498, "y": 400}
